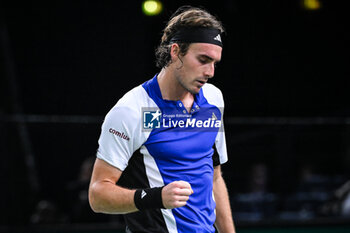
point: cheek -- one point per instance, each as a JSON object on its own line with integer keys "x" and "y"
{"x": 191, "y": 68}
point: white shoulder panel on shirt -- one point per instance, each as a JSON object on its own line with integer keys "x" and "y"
{"x": 122, "y": 133}
{"x": 213, "y": 95}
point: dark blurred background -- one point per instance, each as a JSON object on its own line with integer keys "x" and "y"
{"x": 64, "y": 64}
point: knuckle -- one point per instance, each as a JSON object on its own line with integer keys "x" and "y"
{"x": 178, "y": 184}
{"x": 176, "y": 191}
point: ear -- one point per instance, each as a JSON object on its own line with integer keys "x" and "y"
{"x": 174, "y": 51}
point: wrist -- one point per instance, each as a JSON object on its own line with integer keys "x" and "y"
{"x": 149, "y": 198}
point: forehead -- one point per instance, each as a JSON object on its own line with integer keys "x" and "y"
{"x": 210, "y": 50}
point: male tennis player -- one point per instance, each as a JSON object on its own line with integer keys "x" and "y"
{"x": 162, "y": 144}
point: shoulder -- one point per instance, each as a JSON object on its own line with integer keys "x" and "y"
{"x": 213, "y": 95}
{"x": 133, "y": 98}
{"x": 129, "y": 107}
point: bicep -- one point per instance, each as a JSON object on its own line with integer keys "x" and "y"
{"x": 104, "y": 172}
{"x": 217, "y": 173}
{"x": 104, "y": 195}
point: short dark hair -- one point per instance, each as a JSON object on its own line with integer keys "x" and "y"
{"x": 184, "y": 17}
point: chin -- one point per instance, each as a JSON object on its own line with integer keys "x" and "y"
{"x": 195, "y": 91}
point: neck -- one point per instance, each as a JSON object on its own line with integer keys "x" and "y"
{"x": 170, "y": 88}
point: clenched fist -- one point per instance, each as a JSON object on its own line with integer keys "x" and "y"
{"x": 176, "y": 194}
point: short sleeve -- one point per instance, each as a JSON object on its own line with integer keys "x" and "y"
{"x": 121, "y": 132}
{"x": 214, "y": 97}
{"x": 220, "y": 145}
{"x": 119, "y": 136}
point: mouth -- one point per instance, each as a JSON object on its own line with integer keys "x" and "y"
{"x": 201, "y": 82}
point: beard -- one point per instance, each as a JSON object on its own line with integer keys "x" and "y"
{"x": 187, "y": 86}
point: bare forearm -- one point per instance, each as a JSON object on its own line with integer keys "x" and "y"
{"x": 106, "y": 197}
{"x": 224, "y": 221}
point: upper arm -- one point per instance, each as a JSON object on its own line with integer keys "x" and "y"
{"x": 217, "y": 173}
{"x": 104, "y": 172}
{"x": 104, "y": 195}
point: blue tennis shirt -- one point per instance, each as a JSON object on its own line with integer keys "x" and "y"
{"x": 156, "y": 141}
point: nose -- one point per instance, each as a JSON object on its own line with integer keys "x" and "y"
{"x": 210, "y": 69}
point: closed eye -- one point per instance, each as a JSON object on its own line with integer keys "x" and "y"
{"x": 204, "y": 59}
